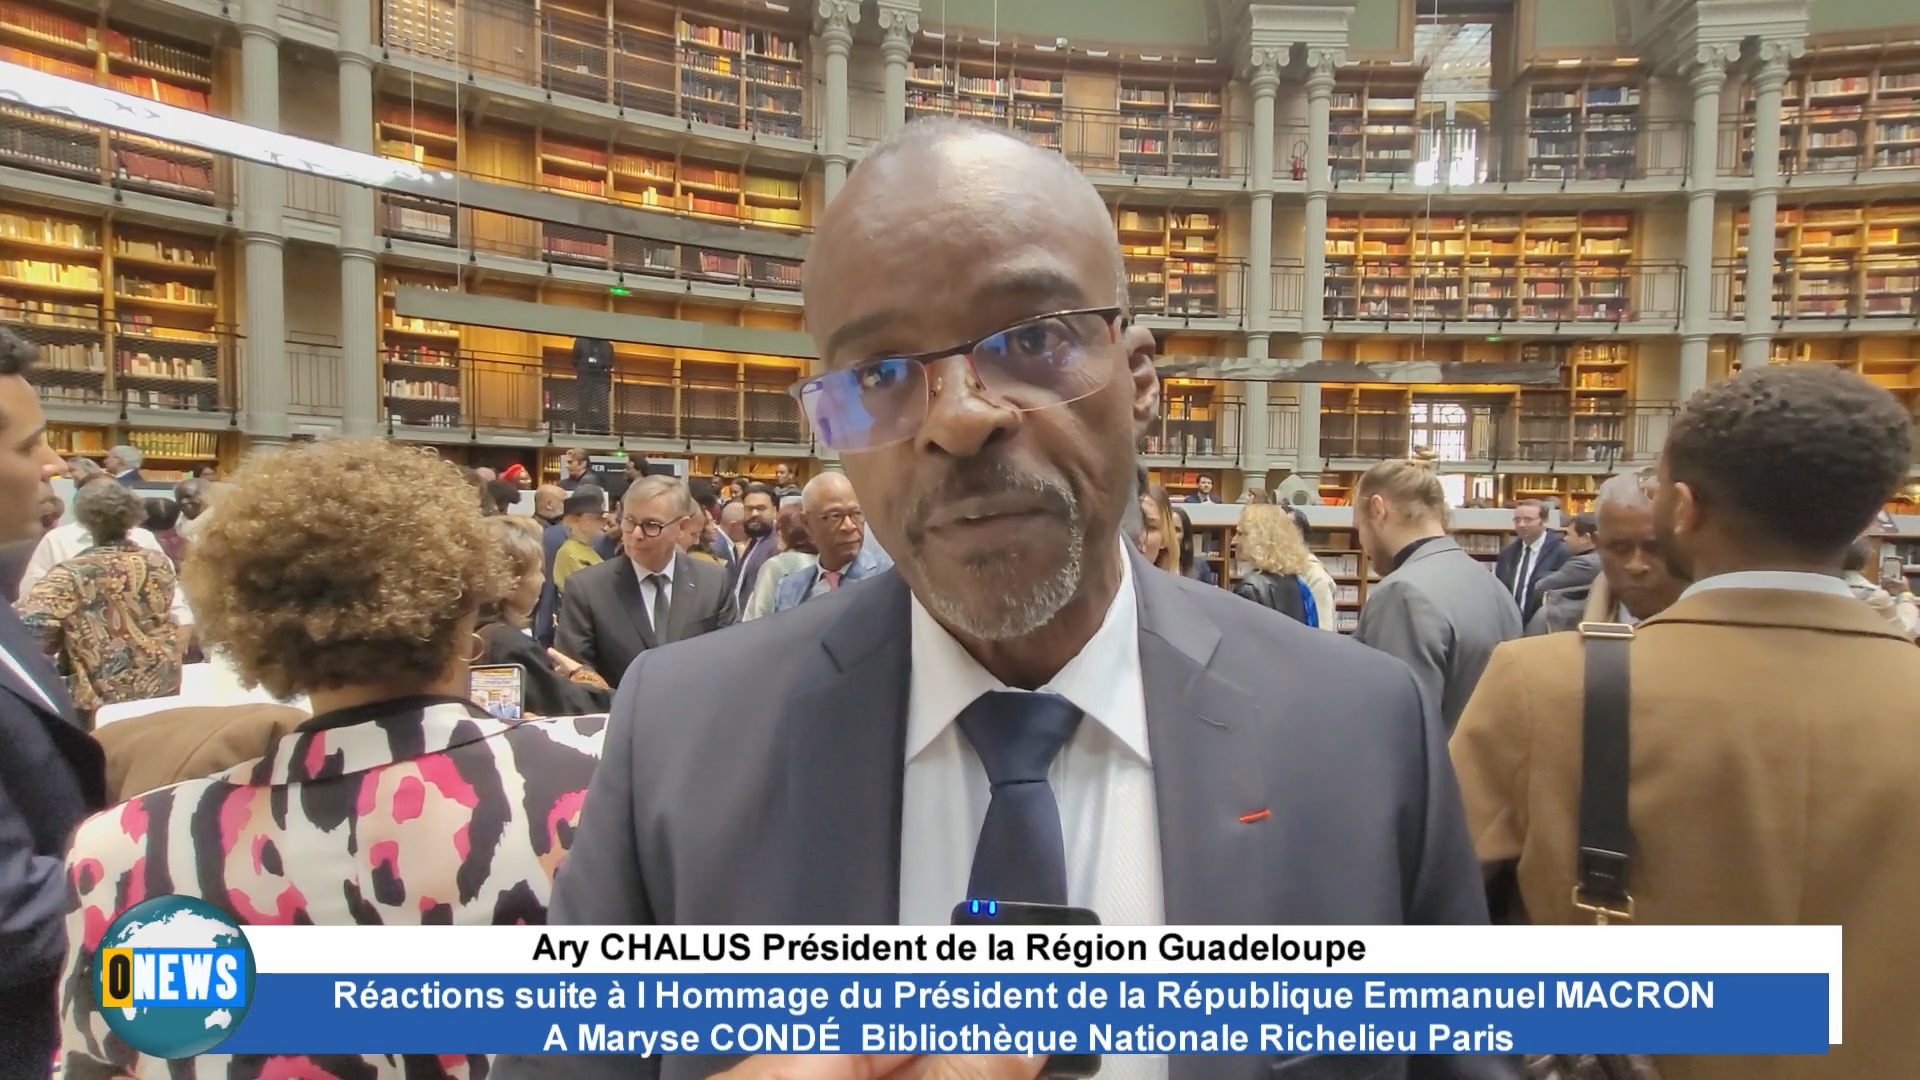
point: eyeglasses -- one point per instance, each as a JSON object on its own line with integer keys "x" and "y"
{"x": 650, "y": 528}
{"x": 1034, "y": 364}
{"x": 835, "y": 518}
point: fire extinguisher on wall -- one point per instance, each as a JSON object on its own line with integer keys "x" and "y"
{"x": 1299, "y": 164}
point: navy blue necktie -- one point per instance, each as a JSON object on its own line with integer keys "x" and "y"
{"x": 1021, "y": 855}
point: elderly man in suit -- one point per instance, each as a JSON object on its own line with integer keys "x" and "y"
{"x": 1534, "y": 552}
{"x": 1212, "y": 762}
{"x": 648, "y": 594}
{"x": 1435, "y": 606}
{"x": 1770, "y": 780}
{"x": 839, "y": 530}
{"x": 51, "y": 772}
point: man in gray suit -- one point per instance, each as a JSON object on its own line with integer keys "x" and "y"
{"x": 648, "y": 594}
{"x": 1222, "y": 765}
{"x": 1435, "y": 606}
{"x": 839, "y": 529}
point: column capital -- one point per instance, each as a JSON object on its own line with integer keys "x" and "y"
{"x": 898, "y": 23}
{"x": 835, "y": 19}
{"x": 259, "y": 18}
{"x": 1262, "y": 70}
{"x": 1706, "y": 69}
{"x": 1321, "y": 65}
{"x": 1772, "y": 58}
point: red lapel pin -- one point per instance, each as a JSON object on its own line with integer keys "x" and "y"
{"x": 1258, "y": 815}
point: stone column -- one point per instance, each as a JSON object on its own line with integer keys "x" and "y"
{"x": 263, "y": 195}
{"x": 1768, "y": 78}
{"x": 836, "y": 19}
{"x": 1263, "y": 80}
{"x": 359, "y": 272}
{"x": 1707, "y": 75}
{"x": 897, "y": 29}
{"x": 1321, "y": 64}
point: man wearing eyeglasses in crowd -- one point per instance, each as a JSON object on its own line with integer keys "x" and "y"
{"x": 649, "y": 593}
{"x": 1024, "y": 709}
{"x": 839, "y": 531}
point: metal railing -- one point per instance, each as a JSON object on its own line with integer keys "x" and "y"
{"x": 1834, "y": 287}
{"x": 1289, "y": 288}
{"x": 564, "y": 54}
{"x": 491, "y": 391}
{"x": 1397, "y": 289}
{"x": 1446, "y": 155}
{"x": 1827, "y": 141}
{"x": 1496, "y": 434}
{"x": 312, "y": 198}
{"x": 1283, "y": 429}
{"x": 96, "y": 361}
{"x": 316, "y": 379}
{"x": 45, "y": 143}
{"x": 1187, "y": 428}
{"x": 1135, "y": 145}
{"x": 324, "y": 14}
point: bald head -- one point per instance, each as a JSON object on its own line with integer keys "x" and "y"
{"x": 939, "y": 189}
{"x": 826, "y": 488}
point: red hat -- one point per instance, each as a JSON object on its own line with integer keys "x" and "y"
{"x": 516, "y": 472}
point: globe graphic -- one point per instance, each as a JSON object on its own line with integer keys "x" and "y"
{"x": 177, "y": 922}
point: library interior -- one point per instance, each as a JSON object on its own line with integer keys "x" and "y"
{"x": 1515, "y": 232}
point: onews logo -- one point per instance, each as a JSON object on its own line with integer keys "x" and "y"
{"x": 173, "y": 976}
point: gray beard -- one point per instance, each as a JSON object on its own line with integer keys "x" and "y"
{"x": 975, "y": 613}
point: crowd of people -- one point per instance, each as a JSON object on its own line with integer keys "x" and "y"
{"x": 984, "y": 660}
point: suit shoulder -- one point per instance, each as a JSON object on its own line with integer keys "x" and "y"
{"x": 1261, "y": 635}
{"x": 708, "y": 571}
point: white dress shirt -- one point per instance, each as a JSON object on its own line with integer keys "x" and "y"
{"x": 1527, "y": 565}
{"x": 1790, "y": 580}
{"x": 647, "y": 588}
{"x": 66, "y": 541}
{"x": 1103, "y": 780}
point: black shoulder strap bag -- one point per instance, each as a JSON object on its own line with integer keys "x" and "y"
{"x": 1601, "y": 877}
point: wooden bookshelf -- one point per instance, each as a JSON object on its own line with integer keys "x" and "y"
{"x": 122, "y": 312}
{"x": 1170, "y": 126}
{"x": 1172, "y": 259}
{"x": 1374, "y": 124}
{"x": 1023, "y": 94}
{"x": 1585, "y": 418}
{"x": 1554, "y": 267}
{"x": 1846, "y": 111}
{"x": 88, "y": 47}
{"x": 428, "y": 136}
{"x": 1841, "y": 260}
{"x": 419, "y": 359}
{"x": 1888, "y": 360}
{"x": 1583, "y": 123}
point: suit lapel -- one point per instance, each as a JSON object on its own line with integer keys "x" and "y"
{"x": 626, "y": 594}
{"x": 1206, "y": 750}
{"x": 846, "y": 731}
{"x": 682, "y": 604}
{"x": 25, "y": 649}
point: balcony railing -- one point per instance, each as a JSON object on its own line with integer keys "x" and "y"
{"x": 1842, "y": 140}
{"x": 324, "y": 14}
{"x": 631, "y": 69}
{"x": 1283, "y": 430}
{"x": 94, "y": 361}
{"x": 1206, "y": 288}
{"x": 312, "y": 198}
{"x": 488, "y": 391}
{"x": 1494, "y": 435}
{"x": 1396, "y": 289}
{"x": 1168, "y": 146}
{"x": 1831, "y": 287}
{"x": 316, "y": 379}
{"x": 1536, "y": 151}
{"x": 1189, "y": 429}
{"x": 1289, "y": 288}
{"x": 42, "y": 142}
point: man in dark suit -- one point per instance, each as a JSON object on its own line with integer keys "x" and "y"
{"x": 51, "y": 773}
{"x": 647, "y": 595}
{"x": 1228, "y": 765}
{"x": 1204, "y": 494}
{"x": 762, "y": 512}
{"x": 123, "y": 464}
{"x": 1532, "y": 554}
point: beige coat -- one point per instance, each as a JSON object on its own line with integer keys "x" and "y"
{"x": 149, "y": 752}
{"x": 1772, "y": 784}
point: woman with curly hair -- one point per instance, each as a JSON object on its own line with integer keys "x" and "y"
{"x": 1283, "y": 574}
{"x": 354, "y": 572}
{"x": 103, "y": 614}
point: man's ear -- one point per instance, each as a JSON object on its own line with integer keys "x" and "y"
{"x": 1688, "y": 512}
{"x": 1138, "y": 341}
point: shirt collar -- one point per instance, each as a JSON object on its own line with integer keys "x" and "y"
{"x": 642, "y": 573}
{"x": 1789, "y": 580}
{"x": 946, "y": 678}
{"x": 1405, "y": 553}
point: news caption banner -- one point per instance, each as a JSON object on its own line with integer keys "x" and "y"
{"x": 1034, "y": 990}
